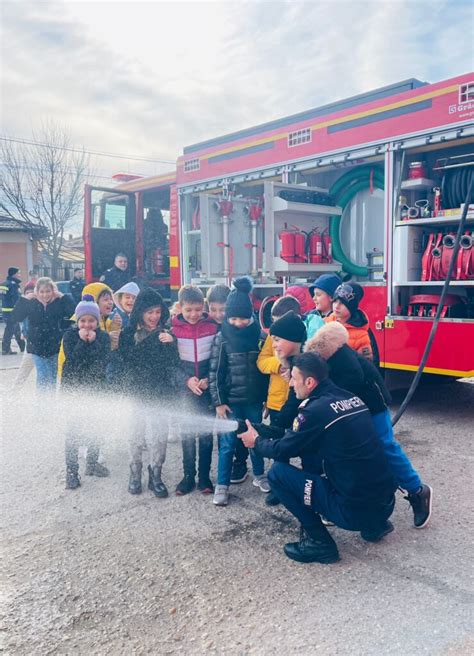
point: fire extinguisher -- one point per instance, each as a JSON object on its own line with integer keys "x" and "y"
{"x": 300, "y": 247}
{"x": 157, "y": 261}
{"x": 327, "y": 247}
{"x": 315, "y": 247}
{"x": 287, "y": 245}
{"x": 293, "y": 245}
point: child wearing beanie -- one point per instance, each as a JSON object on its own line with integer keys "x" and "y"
{"x": 86, "y": 348}
{"x": 346, "y": 310}
{"x": 237, "y": 387}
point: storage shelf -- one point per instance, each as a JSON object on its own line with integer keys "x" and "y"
{"x": 417, "y": 184}
{"x": 434, "y": 283}
{"x": 434, "y": 221}
{"x": 193, "y": 232}
{"x": 282, "y": 206}
{"x": 281, "y": 266}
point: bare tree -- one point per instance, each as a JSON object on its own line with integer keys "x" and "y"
{"x": 41, "y": 184}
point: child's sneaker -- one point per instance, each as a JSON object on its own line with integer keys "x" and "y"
{"x": 205, "y": 486}
{"x": 185, "y": 486}
{"x": 221, "y": 495}
{"x": 262, "y": 483}
{"x": 239, "y": 473}
{"x": 73, "y": 480}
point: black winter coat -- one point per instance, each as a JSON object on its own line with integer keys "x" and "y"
{"x": 85, "y": 362}
{"x": 351, "y": 371}
{"x": 334, "y": 428}
{"x": 234, "y": 378}
{"x": 115, "y": 278}
{"x": 76, "y": 286}
{"x": 46, "y": 325}
{"x": 149, "y": 369}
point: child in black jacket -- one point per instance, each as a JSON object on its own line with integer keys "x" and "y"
{"x": 86, "y": 349}
{"x": 237, "y": 387}
{"x": 151, "y": 373}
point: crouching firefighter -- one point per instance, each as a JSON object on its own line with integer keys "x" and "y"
{"x": 345, "y": 475}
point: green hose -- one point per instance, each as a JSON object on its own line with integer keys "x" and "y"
{"x": 344, "y": 190}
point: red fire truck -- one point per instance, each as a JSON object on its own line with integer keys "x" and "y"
{"x": 372, "y": 186}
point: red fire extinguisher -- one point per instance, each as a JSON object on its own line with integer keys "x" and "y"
{"x": 293, "y": 245}
{"x": 315, "y": 247}
{"x": 287, "y": 245}
{"x": 327, "y": 247}
{"x": 157, "y": 261}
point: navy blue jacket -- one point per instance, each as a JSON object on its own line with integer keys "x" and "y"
{"x": 334, "y": 429}
{"x": 10, "y": 291}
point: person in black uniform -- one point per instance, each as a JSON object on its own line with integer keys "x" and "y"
{"x": 76, "y": 285}
{"x": 10, "y": 291}
{"x": 118, "y": 275}
{"x": 345, "y": 475}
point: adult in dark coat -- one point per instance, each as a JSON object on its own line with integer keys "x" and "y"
{"x": 10, "y": 292}
{"x": 76, "y": 285}
{"x": 345, "y": 475}
{"x": 351, "y": 371}
{"x": 118, "y": 275}
{"x": 47, "y": 313}
{"x": 152, "y": 374}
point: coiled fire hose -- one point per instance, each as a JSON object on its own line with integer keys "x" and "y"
{"x": 434, "y": 327}
{"x": 344, "y": 190}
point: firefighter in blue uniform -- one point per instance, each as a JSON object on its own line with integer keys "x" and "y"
{"x": 10, "y": 292}
{"x": 345, "y": 476}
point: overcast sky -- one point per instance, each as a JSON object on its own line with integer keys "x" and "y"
{"x": 147, "y": 78}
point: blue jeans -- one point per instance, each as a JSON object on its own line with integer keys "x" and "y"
{"x": 306, "y": 495}
{"x": 46, "y": 371}
{"x": 228, "y": 444}
{"x": 405, "y": 475}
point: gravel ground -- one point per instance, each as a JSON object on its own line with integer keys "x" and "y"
{"x": 98, "y": 571}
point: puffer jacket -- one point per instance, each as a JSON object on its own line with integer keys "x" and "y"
{"x": 349, "y": 370}
{"x": 278, "y": 388}
{"x": 45, "y": 324}
{"x": 358, "y": 329}
{"x": 85, "y": 362}
{"x": 234, "y": 378}
{"x": 194, "y": 344}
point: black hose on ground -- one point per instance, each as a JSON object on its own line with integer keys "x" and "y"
{"x": 434, "y": 327}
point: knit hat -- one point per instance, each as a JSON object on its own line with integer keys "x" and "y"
{"x": 350, "y": 294}
{"x": 30, "y": 286}
{"x": 238, "y": 302}
{"x": 145, "y": 300}
{"x": 87, "y": 307}
{"x": 328, "y": 282}
{"x": 289, "y": 327}
{"x": 12, "y": 271}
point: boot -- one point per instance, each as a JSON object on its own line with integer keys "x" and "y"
{"x": 315, "y": 546}
{"x": 73, "y": 480}
{"x": 155, "y": 484}
{"x": 186, "y": 485}
{"x": 93, "y": 466}
{"x": 376, "y": 532}
{"x": 135, "y": 481}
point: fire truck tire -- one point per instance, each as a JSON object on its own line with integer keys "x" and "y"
{"x": 344, "y": 190}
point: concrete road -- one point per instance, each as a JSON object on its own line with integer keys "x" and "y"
{"x": 97, "y": 571}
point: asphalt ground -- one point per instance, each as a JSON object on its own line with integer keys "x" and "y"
{"x": 98, "y": 571}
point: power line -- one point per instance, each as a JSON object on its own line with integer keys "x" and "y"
{"x": 89, "y": 152}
